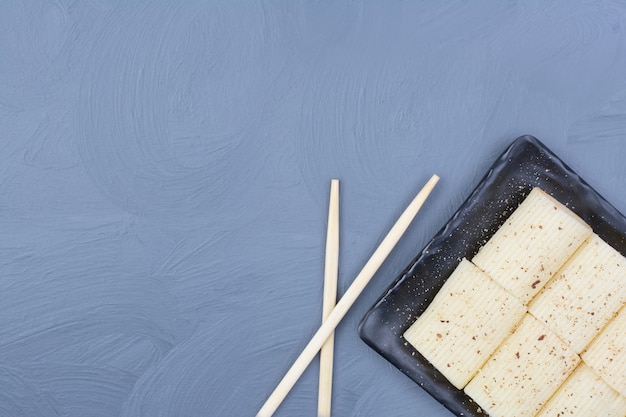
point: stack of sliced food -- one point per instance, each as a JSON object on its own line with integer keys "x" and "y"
{"x": 535, "y": 323}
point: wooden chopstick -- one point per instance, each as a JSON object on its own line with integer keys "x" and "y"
{"x": 331, "y": 266}
{"x": 346, "y": 301}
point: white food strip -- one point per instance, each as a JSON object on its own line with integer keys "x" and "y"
{"x": 468, "y": 319}
{"x": 585, "y": 394}
{"x": 584, "y": 295}
{"x": 607, "y": 353}
{"x": 524, "y": 372}
{"x": 532, "y": 244}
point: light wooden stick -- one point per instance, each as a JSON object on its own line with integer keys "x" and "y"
{"x": 346, "y": 301}
{"x": 331, "y": 266}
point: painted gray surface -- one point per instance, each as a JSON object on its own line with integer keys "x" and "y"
{"x": 164, "y": 172}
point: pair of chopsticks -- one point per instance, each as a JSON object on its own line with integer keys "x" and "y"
{"x": 337, "y": 313}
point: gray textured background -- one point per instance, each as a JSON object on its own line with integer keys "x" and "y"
{"x": 164, "y": 175}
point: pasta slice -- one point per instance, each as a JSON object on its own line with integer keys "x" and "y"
{"x": 584, "y": 295}
{"x": 585, "y": 394}
{"x": 523, "y": 372}
{"x": 470, "y": 316}
{"x": 531, "y": 245}
{"x": 607, "y": 353}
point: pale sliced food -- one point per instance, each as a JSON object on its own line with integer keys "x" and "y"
{"x": 607, "y": 353}
{"x": 585, "y": 394}
{"x": 523, "y": 372}
{"x": 467, "y": 320}
{"x": 532, "y": 244}
{"x": 584, "y": 294}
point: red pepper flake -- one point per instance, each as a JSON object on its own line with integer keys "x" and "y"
{"x": 439, "y": 336}
{"x": 541, "y": 337}
{"x": 534, "y": 284}
{"x": 517, "y": 355}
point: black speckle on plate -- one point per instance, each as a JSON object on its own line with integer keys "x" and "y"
{"x": 526, "y": 164}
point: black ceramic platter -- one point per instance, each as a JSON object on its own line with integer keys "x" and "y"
{"x": 526, "y": 164}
